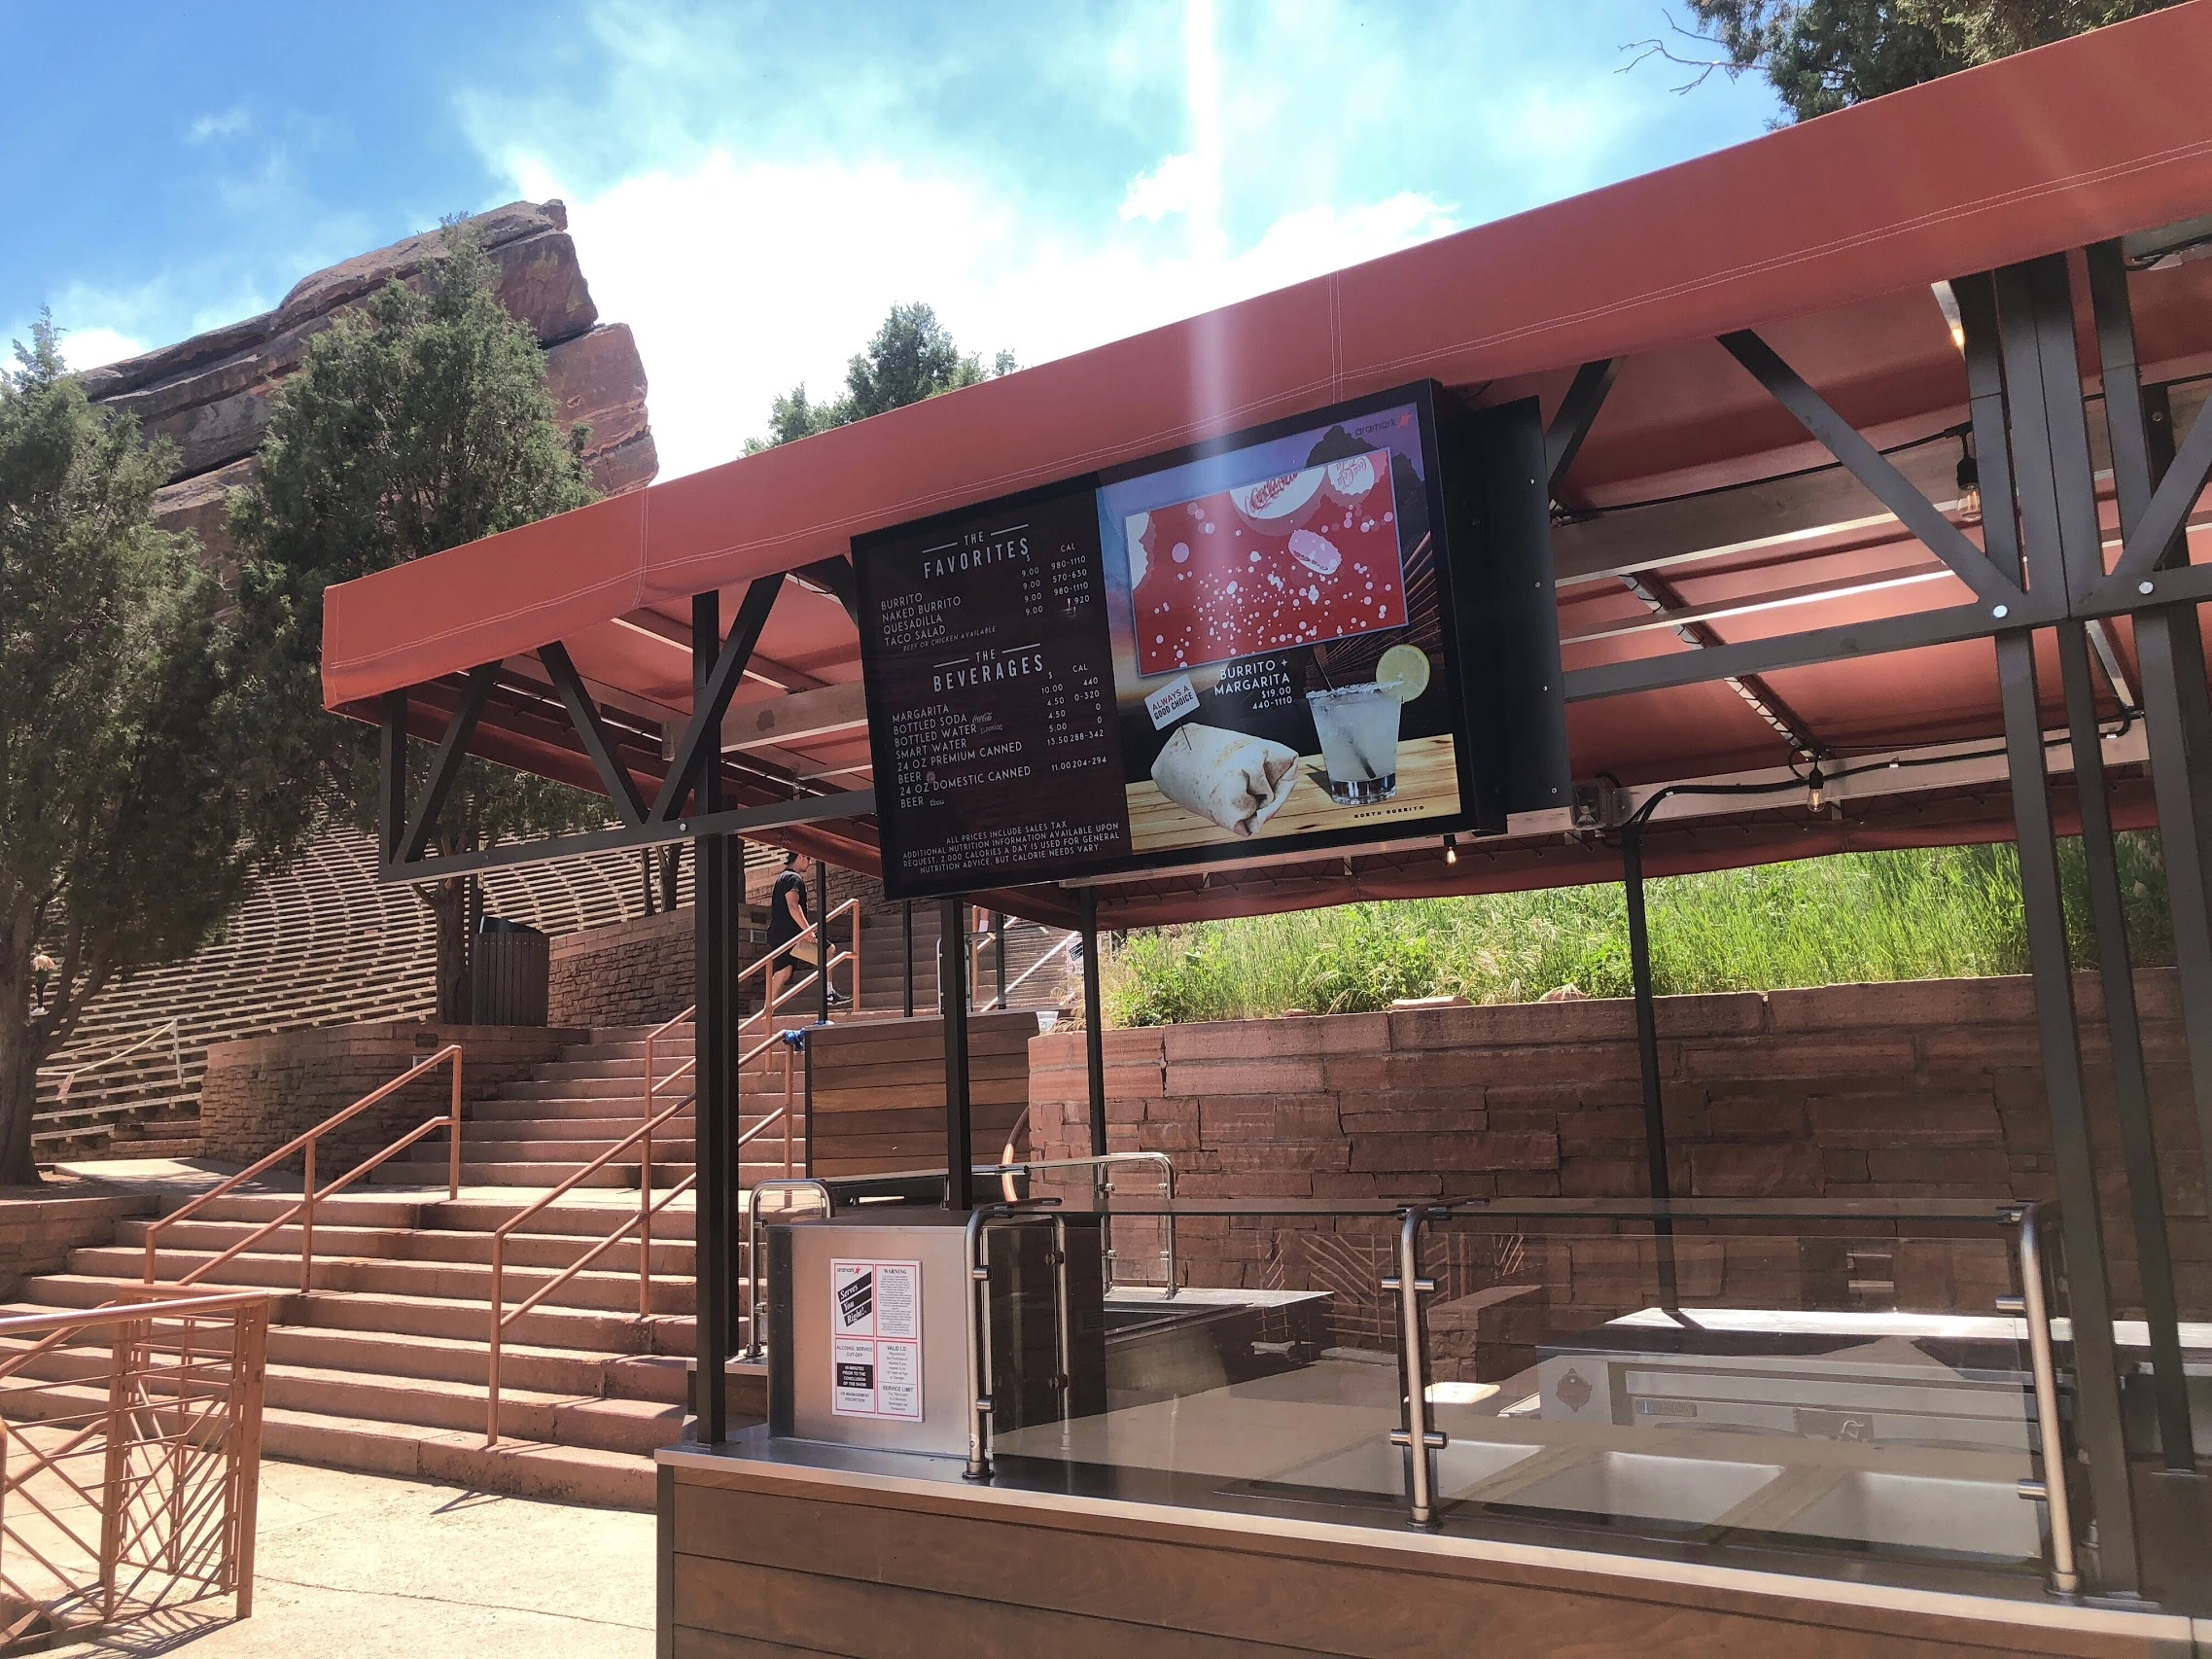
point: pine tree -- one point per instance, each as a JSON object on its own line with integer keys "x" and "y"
{"x": 1824, "y": 55}
{"x": 132, "y": 808}
{"x": 416, "y": 424}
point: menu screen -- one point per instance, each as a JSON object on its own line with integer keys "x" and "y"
{"x": 1169, "y": 662}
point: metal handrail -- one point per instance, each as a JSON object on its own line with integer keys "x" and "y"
{"x": 311, "y": 1195}
{"x": 2052, "y": 1488}
{"x": 176, "y": 1057}
{"x": 1100, "y": 1165}
{"x": 754, "y": 1302}
{"x": 1015, "y": 984}
{"x": 501, "y": 1319}
{"x": 126, "y": 1501}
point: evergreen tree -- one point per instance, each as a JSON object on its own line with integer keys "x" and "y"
{"x": 416, "y": 424}
{"x": 131, "y": 809}
{"x": 1823, "y": 54}
{"x": 912, "y": 357}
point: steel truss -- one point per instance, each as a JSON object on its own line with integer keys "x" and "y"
{"x": 2042, "y": 565}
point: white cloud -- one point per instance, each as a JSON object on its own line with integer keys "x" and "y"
{"x": 1172, "y": 187}
{"x": 223, "y": 123}
{"x": 89, "y": 348}
{"x": 743, "y": 278}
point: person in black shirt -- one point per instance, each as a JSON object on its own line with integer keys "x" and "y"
{"x": 788, "y": 918}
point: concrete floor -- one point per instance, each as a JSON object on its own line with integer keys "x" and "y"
{"x": 366, "y": 1566}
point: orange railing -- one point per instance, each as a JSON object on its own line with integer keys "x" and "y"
{"x": 501, "y": 1318}
{"x": 130, "y": 1479}
{"x": 774, "y": 1000}
{"x": 311, "y": 1195}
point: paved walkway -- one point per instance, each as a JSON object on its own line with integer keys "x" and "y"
{"x": 369, "y": 1568}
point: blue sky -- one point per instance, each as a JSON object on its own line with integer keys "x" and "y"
{"x": 750, "y": 187}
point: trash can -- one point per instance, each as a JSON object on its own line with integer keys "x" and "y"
{"x": 508, "y": 971}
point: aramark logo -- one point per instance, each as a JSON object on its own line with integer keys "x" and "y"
{"x": 856, "y": 1300}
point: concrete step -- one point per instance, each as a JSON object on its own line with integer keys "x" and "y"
{"x": 601, "y": 1331}
{"x": 517, "y": 1174}
{"x": 635, "y": 1425}
{"x": 589, "y": 1291}
{"x": 543, "y": 1148}
{"x": 528, "y": 1248}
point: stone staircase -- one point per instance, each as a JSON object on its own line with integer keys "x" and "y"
{"x": 883, "y": 969}
{"x": 382, "y": 1365}
{"x": 542, "y": 1129}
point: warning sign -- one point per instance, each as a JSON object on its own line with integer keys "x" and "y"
{"x": 875, "y": 1339}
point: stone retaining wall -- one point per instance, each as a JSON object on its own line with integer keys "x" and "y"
{"x": 264, "y": 1090}
{"x": 37, "y": 1234}
{"x": 638, "y": 971}
{"x": 1920, "y": 1090}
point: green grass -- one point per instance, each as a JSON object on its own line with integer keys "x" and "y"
{"x": 1936, "y": 913}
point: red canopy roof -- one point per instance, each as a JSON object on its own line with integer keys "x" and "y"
{"x": 1825, "y": 238}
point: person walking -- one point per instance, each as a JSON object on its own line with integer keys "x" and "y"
{"x": 788, "y": 918}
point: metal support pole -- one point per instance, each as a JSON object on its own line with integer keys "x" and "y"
{"x": 1094, "y": 1024}
{"x": 906, "y": 927}
{"x": 2169, "y": 649}
{"x": 821, "y": 938}
{"x": 2052, "y": 1487}
{"x": 392, "y": 778}
{"x": 1419, "y": 1441}
{"x": 998, "y": 946}
{"x": 2089, "y": 1291}
{"x": 1659, "y": 1181}
{"x": 2132, "y": 1089}
{"x": 952, "y": 1009}
{"x": 714, "y": 1037}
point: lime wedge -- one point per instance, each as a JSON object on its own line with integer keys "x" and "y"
{"x": 1403, "y": 672}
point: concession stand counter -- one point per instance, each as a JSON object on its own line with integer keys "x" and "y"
{"x": 1840, "y": 490}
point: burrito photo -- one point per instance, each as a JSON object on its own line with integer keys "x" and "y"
{"x": 1236, "y": 779}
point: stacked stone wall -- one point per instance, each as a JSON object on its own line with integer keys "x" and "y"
{"x": 1928, "y": 1091}
{"x": 38, "y": 1234}
{"x": 265, "y": 1090}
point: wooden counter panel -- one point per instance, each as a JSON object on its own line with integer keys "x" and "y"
{"x": 885, "y": 1576}
{"x": 878, "y": 1103}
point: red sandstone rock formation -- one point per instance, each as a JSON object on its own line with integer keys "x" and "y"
{"x": 210, "y": 394}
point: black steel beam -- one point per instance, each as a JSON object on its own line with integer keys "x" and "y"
{"x": 1872, "y": 468}
{"x": 735, "y": 821}
{"x": 2177, "y": 714}
{"x": 1814, "y": 645}
{"x": 834, "y": 577}
{"x": 2130, "y": 1077}
{"x": 591, "y": 730}
{"x": 702, "y": 738}
{"x": 2167, "y": 510}
{"x": 1577, "y": 414}
{"x": 2096, "y": 1377}
{"x": 952, "y": 1011}
{"x": 445, "y": 765}
{"x": 715, "y": 1041}
{"x": 1659, "y": 595}
{"x": 906, "y": 934}
{"x": 1658, "y": 1181}
{"x": 1094, "y": 1024}
{"x": 392, "y": 779}
{"x": 2050, "y": 446}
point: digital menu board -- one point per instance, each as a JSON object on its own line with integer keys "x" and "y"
{"x": 1249, "y": 646}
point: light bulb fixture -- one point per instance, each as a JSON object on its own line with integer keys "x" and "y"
{"x": 1814, "y": 787}
{"x": 1969, "y": 477}
{"x": 1450, "y": 850}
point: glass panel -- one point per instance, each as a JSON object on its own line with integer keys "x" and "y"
{"x": 1855, "y": 1391}
{"x": 1229, "y": 1393}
